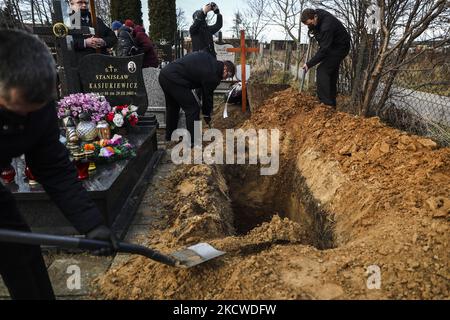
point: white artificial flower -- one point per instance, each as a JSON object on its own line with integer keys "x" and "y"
{"x": 133, "y": 108}
{"x": 118, "y": 120}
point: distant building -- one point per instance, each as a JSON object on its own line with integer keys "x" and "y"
{"x": 430, "y": 45}
{"x": 279, "y": 45}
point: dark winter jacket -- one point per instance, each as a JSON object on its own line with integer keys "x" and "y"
{"x": 37, "y": 136}
{"x": 125, "y": 43}
{"x": 202, "y": 34}
{"x": 104, "y": 32}
{"x": 333, "y": 38}
{"x": 197, "y": 70}
{"x": 145, "y": 46}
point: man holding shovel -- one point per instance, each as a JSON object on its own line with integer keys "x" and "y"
{"x": 334, "y": 43}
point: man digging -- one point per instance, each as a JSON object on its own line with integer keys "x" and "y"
{"x": 334, "y": 42}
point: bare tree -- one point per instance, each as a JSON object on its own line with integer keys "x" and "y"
{"x": 181, "y": 20}
{"x": 401, "y": 23}
{"x": 103, "y": 10}
{"x": 285, "y": 14}
{"x": 40, "y": 11}
{"x": 10, "y": 15}
{"x": 239, "y": 23}
{"x": 256, "y": 17}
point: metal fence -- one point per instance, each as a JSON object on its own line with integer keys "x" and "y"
{"x": 419, "y": 99}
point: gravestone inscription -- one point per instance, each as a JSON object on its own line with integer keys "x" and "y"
{"x": 223, "y": 54}
{"x": 119, "y": 79}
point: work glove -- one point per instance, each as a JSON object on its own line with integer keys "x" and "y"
{"x": 104, "y": 233}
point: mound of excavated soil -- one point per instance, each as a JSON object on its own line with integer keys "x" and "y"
{"x": 384, "y": 193}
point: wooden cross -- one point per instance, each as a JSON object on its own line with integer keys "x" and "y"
{"x": 243, "y": 50}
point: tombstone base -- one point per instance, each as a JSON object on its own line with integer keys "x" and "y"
{"x": 116, "y": 188}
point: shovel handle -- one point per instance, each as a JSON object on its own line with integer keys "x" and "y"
{"x": 147, "y": 252}
{"x": 303, "y": 80}
{"x": 81, "y": 243}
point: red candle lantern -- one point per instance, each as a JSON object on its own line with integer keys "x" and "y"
{"x": 8, "y": 174}
{"x": 31, "y": 179}
{"x": 82, "y": 165}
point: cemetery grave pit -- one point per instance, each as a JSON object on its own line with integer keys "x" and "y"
{"x": 352, "y": 195}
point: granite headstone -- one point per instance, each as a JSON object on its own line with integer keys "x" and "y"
{"x": 119, "y": 79}
{"x": 223, "y": 54}
{"x": 164, "y": 53}
{"x": 156, "y": 99}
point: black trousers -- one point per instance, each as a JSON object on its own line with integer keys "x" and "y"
{"x": 176, "y": 97}
{"x": 22, "y": 267}
{"x": 327, "y": 78}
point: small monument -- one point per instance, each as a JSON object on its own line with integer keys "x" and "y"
{"x": 119, "y": 79}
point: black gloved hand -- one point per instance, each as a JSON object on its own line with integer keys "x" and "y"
{"x": 207, "y": 120}
{"x": 217, "y": 11}
{"x": 103, "y": 233}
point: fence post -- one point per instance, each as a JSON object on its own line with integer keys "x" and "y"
{"x": 261, "y": 53}
{"x": 287, "y": 62}
{"x": 311, "y": 75}
{"x": 182, "y": 43}
{"x": 175, "y": 42}
{"x": 272, "y": 45}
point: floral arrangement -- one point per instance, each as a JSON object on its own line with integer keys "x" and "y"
{"x": 122, "y": 116}
{"x": 114, "y": 149}
{"x": 78, "y": 104}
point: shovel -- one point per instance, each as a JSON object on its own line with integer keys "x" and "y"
{"x": 303, "y": 80}
{"x": 186, "y": 258}
{"x": 308, "y": 54}
{"x": 200, "y": 103}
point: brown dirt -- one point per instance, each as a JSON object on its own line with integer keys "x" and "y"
{"x": 367, "y": 193}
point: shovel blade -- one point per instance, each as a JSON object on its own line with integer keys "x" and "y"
{"x": 195, "y": 255}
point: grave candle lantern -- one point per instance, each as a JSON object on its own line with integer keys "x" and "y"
{"x": 31, "y": 179}
{"x": 7, "y": 174}
{"x": 82, "y": 165}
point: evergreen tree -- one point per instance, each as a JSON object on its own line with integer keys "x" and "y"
{"x": 126, "y": 9}
{"x": 163, "y": 19}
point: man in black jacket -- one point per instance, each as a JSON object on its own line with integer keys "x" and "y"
{"x": 28, "y": 125}
{"x": 201, "y": 32}
{"x": 198, "y": 70}
{"x": 334, "y": 42}
{"x": 84, "y": 45}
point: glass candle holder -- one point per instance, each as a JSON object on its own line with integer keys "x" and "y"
{"x": 82, "y": 165}
{"x": 90, "y": 157}
{"x": 103, "y": 130}
{"x": 31, "y": 179}
{"x": 7, "y": 174}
